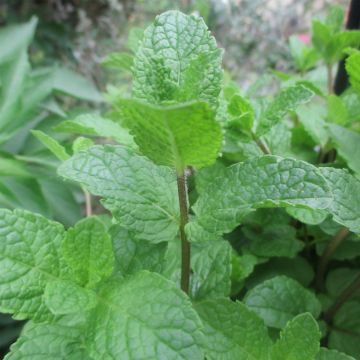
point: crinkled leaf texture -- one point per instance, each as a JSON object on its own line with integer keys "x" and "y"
{"x": 233, "y": 331}
{"x": 176, "y": 135}
{"x": 267, "y": 181}
{"x": 87, "y": 248}
{"x": 144, "y": 317}
{"x": 280, "y": 299}
{"x": 299, "y": 340}
{"x": 29, "y": 259}
{"x": 141, "y": 195}
{"x": 178, "y": 59}
{"x": 60, "y": 340}
{"x": 346, "y": 191}
{"x": 353, "y": 69}
{"x": 326, "y": 354}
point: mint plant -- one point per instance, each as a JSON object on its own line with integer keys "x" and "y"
{"x": 200, "y": 256}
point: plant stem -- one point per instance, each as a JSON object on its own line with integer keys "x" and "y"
{"x": 343, "y": 297}
{"x": 185, "y": 245}
{"x": 329, "y": 78}
{"x": 327, "y": 254}
{"x": 261, "y": 144}
{"x": 88, "y": 206}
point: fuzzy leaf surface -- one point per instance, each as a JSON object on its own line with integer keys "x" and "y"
{"x": 87, "y": 249}
{"x": 144, "y": 317}
{"x": 141, "y": 195}
{"x": 178, "y": 59}
{"x": 279, "y": 299}
{"x": 233, "y": 331}
{"x": 178, "y": 135}
{"x": 29, "y": 259}
{"x": 267, "y": 181}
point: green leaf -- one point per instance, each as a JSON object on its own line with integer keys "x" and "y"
{"x": 12, "y": 167}
{"x": 87, "y": 249}
{"x": 144, "y": 317}
{"x": 81, "y": 143}
{"x": 304, "y": 57}
{"x": 29, "y": 259}
{"x": 346, "y": 332}
{"x": 299, "y": 340}
{"x": 326, "y": 354}
{"x": 119, "y": 61}
{"x": 52, "y": 144}
{"x": 353, "y": 70}
{"x": 60, "y": 340}
{"x": 141, "y": 195}
{"x": 337, "y": 111}
{"x": 242, "y": 113}
{"x": 339, "y": 279}
{"x": 177, "y": 135}
{"x": 335, "y": 19}
{"x": 64, "y": 297}
{"x": 347, "y": 144}
{"x": 267, "y": 181}
{"x": 74, "y": 84}
{"x": 279, "y": 299}
{"x": 178, "y": 59}
{"x": 308, "y": 216}
{"x": 233, "y": 331}
{"x": 287, "y": 100}
{"x": 136, "y": 35}
{"x": 133, "y": 255}
{"x": 346, "y": 192}
{"x": 93, "y": 124}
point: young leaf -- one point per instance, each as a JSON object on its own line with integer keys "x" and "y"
{"x": 244, "y": 337}
{"x": 177, "y": 136}
{"x": 92, "y": 124}
{"x": 299, "y": 340}
{"x": 133, "y": 255}
{"x": 64, "y": 297}
{"x": 287, "y": 100}
{"x": 144, "y": 317}
{"x": 242, "y": 113}
{"x": 304, "y": 57}
{"x": 348, "y": 145}
{"x": 141, "y": 195}
{"x": 267, "y": 181}
{"x": 29, "y": 259}
{"x": 119, "y": 61}
{"x": 337, "y": 111}
{"x": 279, "y": 299}
{"x": 63, "y": 339}
{"x": 81, "y": 143}
{"x": 52, "y": 144}
{"x": 88, "y": 251}
{"x": 166, "y": 61}
{"x": 346, "y": 192}
{"x": 353, "y": 70}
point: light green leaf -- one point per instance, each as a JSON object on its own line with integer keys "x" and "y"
{"x": 326, "y": 354}
{"x": 144, "y": 317}
{"x": 346, "y": 192}
{"x": 178, "y": 136}
{"x": 52, "y": 144}
{"x": 177, "y": 49}
{"x": 29, "y": 259}
{"x": 12, "y": 167}
{"x": 74, "y": 84}
{"x": 233, "y": 331}
{"x": 242, "y": 113}
{"x": 337, "y": 111}
{"x": 206, "y": 175}
{"x": 346, "y": 331}
{"x": 299, "y": 340}
{"x": 287, "y": 100}
{"x": 347, "y": 144}
{"x": 81, "y": 143}
{"x": 305, "y": 57}
{"x": 279, "y": 299}
{"x": 335, "y": 18}
{"x": 63, "y": 339}
{"x": 353, "y": 70}
{"x": 141, "y": 195}
{"x": 267, "y": 181}
{"x": 308, "y": 216}
{"x": 119, "y": 61}
{"x": 136, "y": 35}
{"x": 64, "y": 297}
{"x": 133, "y": 255}
{"x": 93, "y": 124}
{"x": 211, "y": 266}
{"x": 88, "y": 251}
